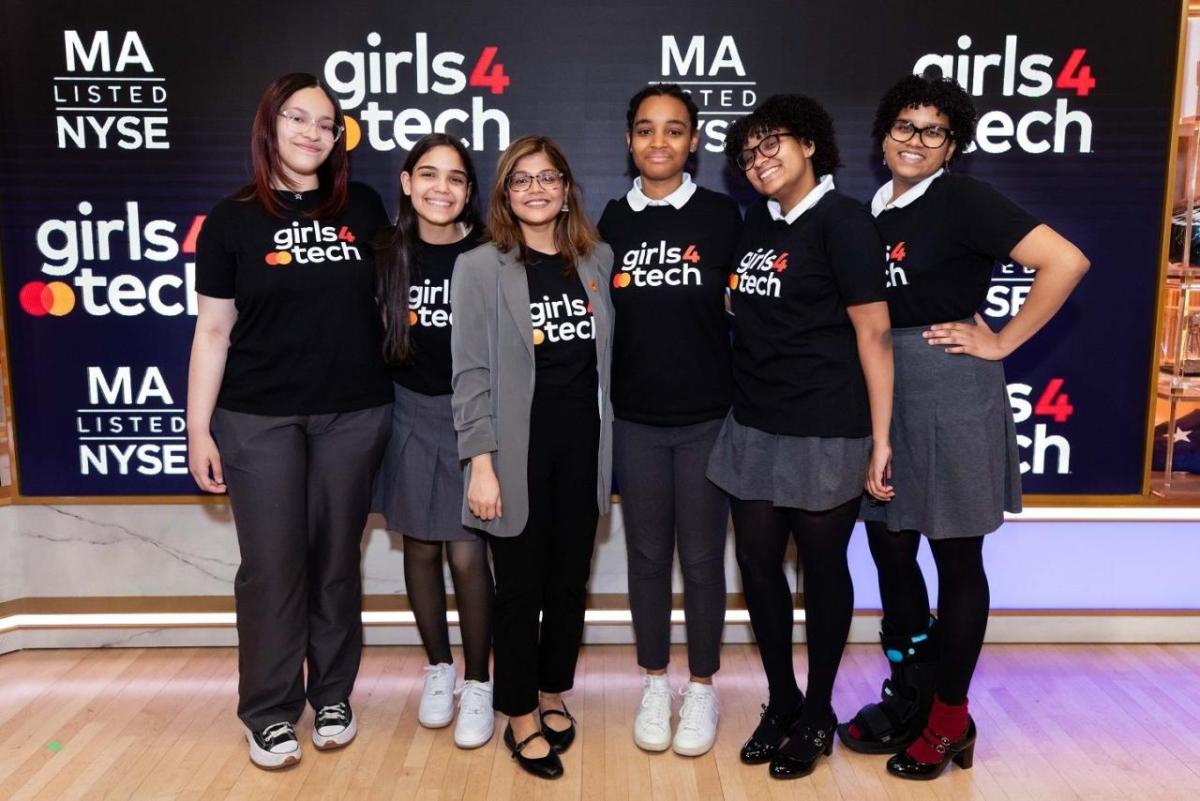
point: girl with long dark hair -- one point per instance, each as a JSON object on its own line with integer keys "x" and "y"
{"x": 288, "y": 411}
{"x": 956, "y": 466}
{"x": 673, "y": 244}
{"x": 531, "y": 348}
{"x": 420, "y": 488}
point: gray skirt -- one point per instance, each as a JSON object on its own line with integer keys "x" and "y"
{"x": 419, "y": 489}
{"x": 810, "y": 473}
{"x": 955, "y": 465}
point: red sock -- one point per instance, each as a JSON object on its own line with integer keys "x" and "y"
{"x": 944, "y": 721}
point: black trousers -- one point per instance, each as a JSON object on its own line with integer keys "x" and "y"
{"x": 543, "y": 572}
{"x": 300, "y": 489}
{"x": 667, "y": 501}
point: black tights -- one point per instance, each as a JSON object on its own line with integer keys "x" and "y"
{"x": 473, "y": 594}
{"x": 963, "y": 599}
{"x": 761, "y": 532}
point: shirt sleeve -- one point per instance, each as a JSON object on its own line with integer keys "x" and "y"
{"x": 732, "y": 224}
{"x": 606, "y": 221}
{"x": 856, "y": 256}
{"x": 988, "y": 222}
{"x": 216, "y": 256}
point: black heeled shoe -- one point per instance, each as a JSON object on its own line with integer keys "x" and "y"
{"x": 772, "y": 729}
{"x": 560, "y": 741}
{"x": 804, "y": 746}
{"x": 547, "y": 767}
{"x": 961, "y": 752}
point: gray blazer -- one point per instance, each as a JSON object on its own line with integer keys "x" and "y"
{"x": 491, "y": 343}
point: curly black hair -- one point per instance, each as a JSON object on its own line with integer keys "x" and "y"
{"x": 659, "y": 89}
{"x": 800, "y": 116}
{"x": 913, "y": 91}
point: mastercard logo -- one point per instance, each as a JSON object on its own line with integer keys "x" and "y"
{"x": 539, "y": 336}
{"x": 278, "y": 258}
{"x": 412, "y": 318}
{"x": 40, "y": 298}
{"x": 733, "y": 282}
{"x": 621, "y": 280}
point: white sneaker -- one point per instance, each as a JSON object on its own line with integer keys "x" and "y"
{"x": 698, "y": 716}
{"x": 652, "y": 726}
{"x": 476, "y": 720}
{"x": 274, "y": 747}
{"x": 334, "y": 727}
{"x": 437, "y": 696}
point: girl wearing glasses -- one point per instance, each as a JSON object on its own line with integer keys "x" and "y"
{"x": 420, "y": 486}
{"x": 673, "y": 248}
{"x": 288, "y": 411}
{"x": 943, "y": 234}
{"x": 531, "y": 352}
{"x": 812, "y": 371}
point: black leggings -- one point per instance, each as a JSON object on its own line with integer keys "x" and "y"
{"x": 473, "y": 594}
{"x": 761, "y": 532}
{"x": 963, "y": 599}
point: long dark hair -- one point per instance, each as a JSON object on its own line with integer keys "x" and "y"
{"x": 396, "y": 256}
{"x": 333, "y": 175}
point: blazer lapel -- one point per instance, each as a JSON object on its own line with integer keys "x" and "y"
{"x": 589, "y": 276}
{"x": 514, "y": 288}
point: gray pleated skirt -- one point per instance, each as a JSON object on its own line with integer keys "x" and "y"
{"x": 419, "y": 490}
{"x": 810, "y": 473}
{"x": 955, "y": 465}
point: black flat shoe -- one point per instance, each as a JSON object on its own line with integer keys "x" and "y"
{"x": 547, "y": 767}
{"x": 560, "y": 741}
{"x": 961, "y": 752}
{"x": 798, "y": 756}
{"x": 772, "y": 729}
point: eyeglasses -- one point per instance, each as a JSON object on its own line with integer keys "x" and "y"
{"x": 768, "y": 146}
{"x": 298, "y": 123}
{"x": 931, "y": 135}
{"x": 522, "y": 181}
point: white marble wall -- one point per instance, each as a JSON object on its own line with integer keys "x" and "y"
{"x": 11, "y": 583}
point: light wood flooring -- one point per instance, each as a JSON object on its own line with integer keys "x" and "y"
{"x": 1055, "y": 722}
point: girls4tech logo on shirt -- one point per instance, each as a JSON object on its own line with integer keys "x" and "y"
{"x": 758, "y": 273}
{"x": 312, "y": 243}
{"x": 562, "y": 320}
{"x": 429, "y": 304}
{"x": 659, "y": 265}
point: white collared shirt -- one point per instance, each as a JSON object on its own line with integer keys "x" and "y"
{"x": 824, "y": 186}
{"x": 637, "y": 198}
{"x": 883, "y": 198}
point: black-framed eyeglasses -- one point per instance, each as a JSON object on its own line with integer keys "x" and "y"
{"x": 522, "y": 181}
{"x": 299, "y": 122}
{"x": 931, "y": 135}
{"x": 768, "y": 146}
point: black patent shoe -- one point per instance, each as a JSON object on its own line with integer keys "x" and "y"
{"x": 546, "y": 767}
{"x": 961, "y": 752}
{"x": 772, "y": 729}
{"x": 806, "y": 744}
{"x": 560, "y": 741}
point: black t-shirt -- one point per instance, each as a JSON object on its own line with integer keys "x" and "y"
{"x": 942, "y": 247}
{"x": 795, "y": 357}
{"x": 564, "y": 331}
{"x": 308, "y": 333}
{"x": 671, "y": 353}
{"x": 429, "y": 318}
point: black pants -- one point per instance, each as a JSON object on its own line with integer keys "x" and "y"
{"x": 544, "y": 570}
{"x": 300, "y": 488}
{"x": 666, "y": 499}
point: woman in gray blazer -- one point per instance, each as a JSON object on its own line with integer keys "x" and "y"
{"x": 530, "y": 346}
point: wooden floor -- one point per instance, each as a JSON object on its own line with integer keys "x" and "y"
{"x": 1055, "y": 722}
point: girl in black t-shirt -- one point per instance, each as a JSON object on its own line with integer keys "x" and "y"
{"x": 420, "y": 486}
{"x": 288, "y": 410}
{"x": 955, "y": 469}
{"x": 531, "y": 353}
{"x": 673, "y": 246}
{"x": 812, "y": 398}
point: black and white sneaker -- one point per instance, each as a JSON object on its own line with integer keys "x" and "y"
{"x": 274, "y": 747}
{"x": 335, "y": 726}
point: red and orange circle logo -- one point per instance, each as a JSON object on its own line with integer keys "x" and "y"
{"x": 40, "y": 298}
